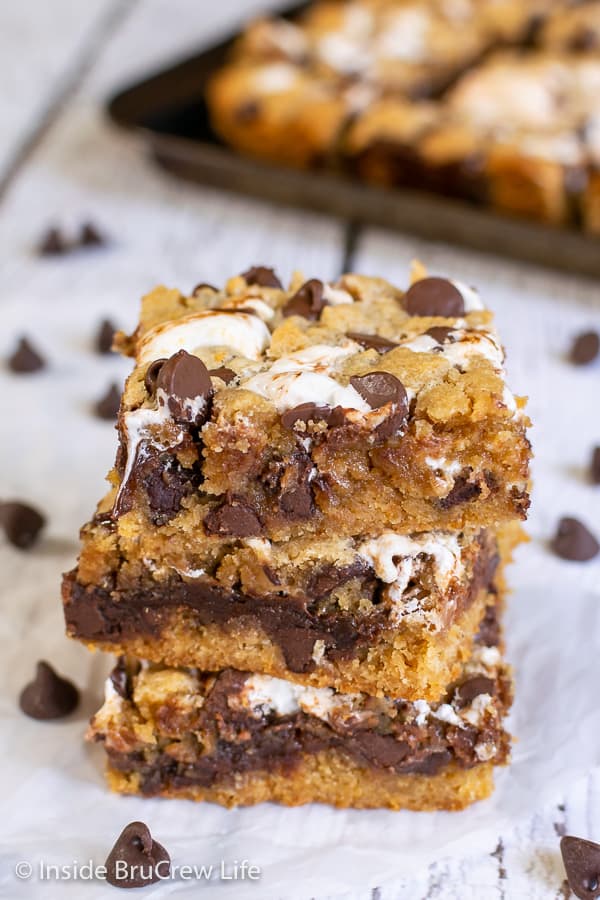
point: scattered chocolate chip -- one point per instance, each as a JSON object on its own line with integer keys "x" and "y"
{"x": 573, "y": 541}
{"x": 104, "y": 337}
{"x": 247, "y": 112}
{"x": 90, "y": 236}
{"x": 53, "y": 243}
{"x": 440, "y": 333}
{"x": 434, "y": 297}
{"x": 25, "y": 358}
{"x": 48, "y": 696}
{"x": 119, "y": 678}
{"x": 234, "y": 517}
{"x": 473, "y": 687}
{"x": 21, "y": 523}
{"x": 152, "y": 374}
{"x": 204, "y": 286}
{"x": 225, "y": 374}
{"x": 308, "y": 412}
{"x": 586, "y": 348}
{"x": 136, "y": 859}
{"x": 595, "y": 466}
{"x": 372, "y": 341}
{"x": 107, "y": 407}
{"x": 581, "y": 859}
{"x": 262, "y": 276}
{"x": 307, "y": 301}
{"x": 184, "y": 378}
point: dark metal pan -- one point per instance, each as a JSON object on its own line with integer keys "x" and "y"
{"x": 169, "y": 111}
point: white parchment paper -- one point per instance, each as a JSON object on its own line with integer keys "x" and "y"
{"x": 56, "y": 808}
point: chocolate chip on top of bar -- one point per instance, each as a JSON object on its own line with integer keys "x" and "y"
{"x": 282, "y": 398}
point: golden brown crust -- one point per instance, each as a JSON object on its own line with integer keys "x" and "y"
{"x": 330, "y": 777}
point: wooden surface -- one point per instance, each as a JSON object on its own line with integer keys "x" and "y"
{"x": 59, "y": 160}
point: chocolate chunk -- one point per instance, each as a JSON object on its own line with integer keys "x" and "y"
{"x": 107, "y": 407}
{"x": 307, "y": 412}
{"x": 262, "y": 276}
{"x": 225, "y": 374}
{"x": 434, "y": 297}
{"x": 25, "y": 358}
{"x": 473, "y": 687}
{"x": 120, "y": 679}
{"x": 379, "y": 388}
{"x": 204, "y": 286}
{"x": 586, "y": 348}
{"x": 595, "y": 466}
{"x": 581, "y": 859}
{"x": 105, "y": 336}
{"x": 296, "y": 499}
{"x": 53, "y": 243}
{"x": 90, "y": 236}
{"x": 583, "y": 40}
{"x": 48, "y": 696}
{"x": 152, "y": 374}
{"x": 325, "y": 580}
{"x": 372, "y": 341}
{"x": 489, "y": 630}
{"x": 184, "y": 378}
{"x": 462, "y": 491}
{"x": 307, "y": 301}
{"x": 136, "y": 859}
{"x": 573, "y": 541}
{"x": 381, "y": 749}
{"x": 440, "y": 333}
{"x": 22, "y": 523}
{"x": 166, "y": 482}
{"x": 235, "y": 517}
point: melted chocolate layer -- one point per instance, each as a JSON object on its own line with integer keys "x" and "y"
{"x": 95, "y": 614}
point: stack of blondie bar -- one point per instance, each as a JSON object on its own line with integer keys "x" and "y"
{"x": 300, "y": 558}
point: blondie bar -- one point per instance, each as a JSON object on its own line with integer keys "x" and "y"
{"x": 237, "y": 738}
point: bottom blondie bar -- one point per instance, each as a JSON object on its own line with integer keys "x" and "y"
{"x": 237, "y": 738}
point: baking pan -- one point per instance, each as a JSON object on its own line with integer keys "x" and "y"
{"x": 169, "y": 111}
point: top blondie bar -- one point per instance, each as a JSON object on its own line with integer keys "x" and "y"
{"x": 321, "y": 408}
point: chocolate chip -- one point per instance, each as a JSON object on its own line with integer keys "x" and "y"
{"x": 379, "y": 388}
{"x": 235, "y": 517}
{"x": 184, "y": 378}
{"x": 595, "y": 466}
{"x": 120, "y": 680}
{"x": 573, "y": 541}
{"x": 105, "y": 336}
{"x": 107, "y": 407}
{"x": 372, "y": 341}
{"x": 225, "y": 374}
{"x": 586, "y": 348}
{"x": 25, "y": 358}
{"x": 473, "y": 687}
{"x": 22, "y": 523}
{"x": 440, "y": 333}
{"x": 326, "y": 579}
{"x": 583, "y": 39}
{"x": 53, "y": 243}
{"x": 204, "y": 286}
{"x": 90, "y": 236}
{"x": 489, "y": 630}
{"x": 307, "y": 301}
{"x": 152, "y": 374}
{"x": 434, "y": 297}
{"x": 581, "y": 859}
{"x": 262, "y": 276}
{"x": 136, "y": 859}
{"x": 309, "y": 412}
{"x": 48, "y": 696}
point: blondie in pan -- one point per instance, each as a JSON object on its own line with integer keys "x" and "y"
{"x": 236, "y": 738}
{"x": 276, "y": 446}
